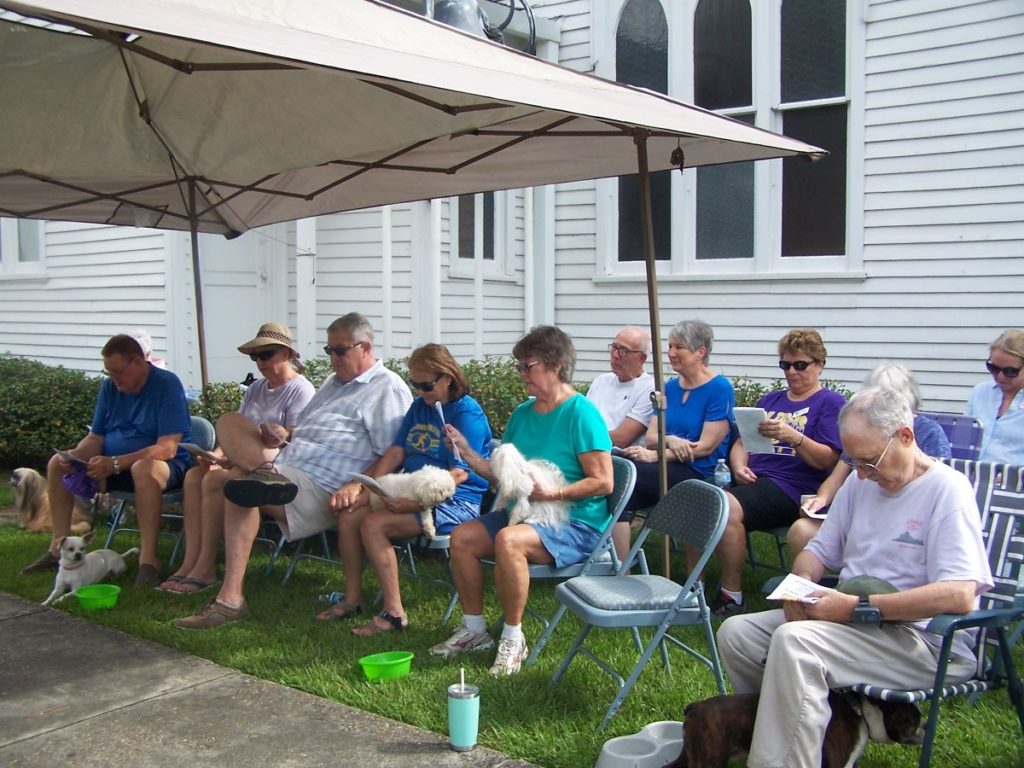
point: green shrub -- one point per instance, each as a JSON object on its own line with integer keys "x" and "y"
{"x": 42, "y": 407}
{"x": 217, "y": 399}
{"x": 748, "y": 391}
{"x": 496, "y": 384}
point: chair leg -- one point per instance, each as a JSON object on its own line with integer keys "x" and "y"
{"x": 1014, "y": 685}
{"x": 624, "y": 689}
{"x": 577, "y": 644}
{"x": 115, "y": 522}
{"x": 936, "y": 701}
{"x": 546, "y": 634}
{"x": 300, "y": 546}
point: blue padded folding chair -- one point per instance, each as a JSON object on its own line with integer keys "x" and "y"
{"x": 203, "y": 436}
{"x": 1001, "y": 486}
{"x": 693, "y": 512}
{"x": 963, "y": 432}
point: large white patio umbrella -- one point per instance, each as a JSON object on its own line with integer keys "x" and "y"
{"x": 224, "y": 115}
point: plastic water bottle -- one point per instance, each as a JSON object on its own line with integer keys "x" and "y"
{"x": 723, "y": 477}
{"x": 332, "y": 598}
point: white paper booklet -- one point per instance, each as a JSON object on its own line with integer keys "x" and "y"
{"x": 795, "y": 587}
{"x": 71, "y": 459}
{"x": 371, "y": 485}
{"x": 195, "y": 450}
{"x": 747, "y": 420}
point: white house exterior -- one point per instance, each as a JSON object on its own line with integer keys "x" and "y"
{"x": 921, "y": 261}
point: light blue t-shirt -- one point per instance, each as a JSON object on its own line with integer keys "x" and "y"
{"x": 559, "y": 436}
{"x": 1002, "y": 439}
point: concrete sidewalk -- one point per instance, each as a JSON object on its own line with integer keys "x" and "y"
{"x": 75, "y": 693}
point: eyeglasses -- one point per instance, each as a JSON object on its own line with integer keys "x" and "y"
{"x": 115, "y": 373}
{"x": 341, "y": 350}
{"x": 1010, "y": 373}
{"x": 800, "y": 365}
{"x": 426, "y": 386}
{"x": 526, "y": 367}
{"x": 620, "y": 351}
{"x": 871, "y": 469}
{"x": 264, "y": 355}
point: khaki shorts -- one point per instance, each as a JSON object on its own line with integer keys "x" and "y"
{"x": 308, "y": 513}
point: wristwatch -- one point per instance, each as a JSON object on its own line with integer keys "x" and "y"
{"x": 866, "y": 613}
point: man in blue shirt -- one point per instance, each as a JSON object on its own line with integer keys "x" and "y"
{"x": 141, "y": 417}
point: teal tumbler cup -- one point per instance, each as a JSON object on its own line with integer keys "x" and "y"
{"x": 463, "y": 716}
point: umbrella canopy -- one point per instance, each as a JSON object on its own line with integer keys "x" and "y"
{"x": 271, "y": 111}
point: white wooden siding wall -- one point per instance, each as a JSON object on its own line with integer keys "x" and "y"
{"x": 943, "y": 126}
{"x": 98, "y": 281}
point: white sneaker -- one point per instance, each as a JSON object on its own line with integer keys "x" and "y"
{"x": 511, "y": 652}
{"x": 463, "y": 641}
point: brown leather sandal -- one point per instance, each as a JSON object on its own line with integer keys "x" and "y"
{"x": 340, "y": 611}
{"x": 375, "y": 627}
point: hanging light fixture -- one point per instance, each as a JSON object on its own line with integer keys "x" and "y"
{"x": 467, "y": 16}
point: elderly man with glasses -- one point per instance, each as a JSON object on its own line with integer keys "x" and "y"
{"x": 904, "y": 518}
{"x": 345, "y": 428}
{"x": 133, "y": 444}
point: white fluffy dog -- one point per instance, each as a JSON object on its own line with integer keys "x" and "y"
{"x": 516, "y": 478}
{"x": 428, "y": 485}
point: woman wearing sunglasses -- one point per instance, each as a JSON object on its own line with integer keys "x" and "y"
{"x": 999, "y": 404}
{"x": 274, "y": 402}
{"x": 803, "y": 424}
{"x": 367, "y": 535}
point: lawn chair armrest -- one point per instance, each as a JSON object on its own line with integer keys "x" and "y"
{"x": 989, "y": 618}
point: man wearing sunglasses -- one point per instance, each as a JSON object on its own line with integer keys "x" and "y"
{"x": 345, "y": 428}
{"x": 999, "y": 403}
{"x": 140, "y": 420}
{"x": 903, "y": 518}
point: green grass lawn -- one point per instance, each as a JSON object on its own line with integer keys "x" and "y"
{"x": 524, "y": 716}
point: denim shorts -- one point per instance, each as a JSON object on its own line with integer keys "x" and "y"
{"x": 449, "y": 514}
{"x": 567, "y": 544}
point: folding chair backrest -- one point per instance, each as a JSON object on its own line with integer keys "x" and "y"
{"x": 999, "y": 490}
{"x": 624, "y": 472}
{"x": 203, "y": 433}
{"x": 964, "y": 433}
{"x": 693, "y": 512}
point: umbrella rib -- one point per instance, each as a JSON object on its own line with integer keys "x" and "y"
{"x": 449, "y": 109}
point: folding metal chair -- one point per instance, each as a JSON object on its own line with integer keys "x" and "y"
{"x": 1002, "y": 522}
{"x": 695, "y": 513}
{"x": 202, "y": 434}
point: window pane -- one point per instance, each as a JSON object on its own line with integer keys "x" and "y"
{"x": 813, "y": 49}
{"x": 814, "y": 194}
{"x": 641, "y": 58}
{"x": 721, "y": 54}
{"x": 467, "y": 226}
{"x": 725, "y": 211}
{"x": 488, "y": 204}
{"x": 28, "y": 240}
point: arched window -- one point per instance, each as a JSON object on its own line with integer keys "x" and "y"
{"x": 641, "y": 59}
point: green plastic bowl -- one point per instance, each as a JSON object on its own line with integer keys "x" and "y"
{"x": 96, "y": 596}
{"x": 386, "y": 666}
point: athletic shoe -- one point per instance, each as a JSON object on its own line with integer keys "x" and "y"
{"x": 724, "y": 606}
{"x": 511, "y": 652}
{"x": 259, "y": 488}
{"x": 463, "y": 641}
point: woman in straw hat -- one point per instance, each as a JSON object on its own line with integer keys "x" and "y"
{"x": 274, "y": 402}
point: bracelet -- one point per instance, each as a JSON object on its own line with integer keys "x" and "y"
{"x": 117, "y": 466}
{"x": 799, "y": 442}
{"x": 561, "y": 494}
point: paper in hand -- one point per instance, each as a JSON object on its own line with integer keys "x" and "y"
{"x": 371, "y": 485}
{"x": 71, "y": 459}
{"x": 747, "y": 420}
{"x": 795, "y": 587}
{"x": 440, "y": 413}
{"x": 195, "y": 450}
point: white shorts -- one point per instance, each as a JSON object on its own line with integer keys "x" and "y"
{"x": 308, "y": 514}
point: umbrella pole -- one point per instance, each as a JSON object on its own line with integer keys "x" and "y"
{"x": 647, "y": 225}
{"x": 197, "y": 284}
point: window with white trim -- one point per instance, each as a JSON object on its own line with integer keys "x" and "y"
{"x": 21, "y": 246}
{"x": 776, "y": 64}
{"x": 479, "y": 229}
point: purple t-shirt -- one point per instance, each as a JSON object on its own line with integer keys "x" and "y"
{"x": 817, "y": 417}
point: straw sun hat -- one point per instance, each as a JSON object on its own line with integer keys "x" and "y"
{"x": 268, "y": 334}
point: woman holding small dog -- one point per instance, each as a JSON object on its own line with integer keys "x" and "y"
{"x": 276, "y": 399}
{"x": 558, "y": 425}
{"x": 365, "y": 533}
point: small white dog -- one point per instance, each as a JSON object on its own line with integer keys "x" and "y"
{"x": 428, "y": 485}
{"x": 79, "y": 568}
{"x": 516, "y": 478}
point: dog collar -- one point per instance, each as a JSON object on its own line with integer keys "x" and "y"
{"x": 74, "y": 567}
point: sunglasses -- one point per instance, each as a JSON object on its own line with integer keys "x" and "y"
{"x": 868, "y": 467}
{"x": 264, "y": 355}
{"x": 800, "y": 365}
{"x": 1010, "y": 373}
{"x": 341, "y": 350}
{"x": 426, "y": 386}
{"x": 526, "y": 367}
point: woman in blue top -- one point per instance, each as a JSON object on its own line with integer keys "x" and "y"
{"x": 365, "y": 534}
{"x": 698, "y": 410}
{"x": 558, "y": 425}
{"x": 1000, "y": 403}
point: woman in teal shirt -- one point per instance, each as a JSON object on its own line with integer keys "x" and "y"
{"x": 558, "y": 425}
